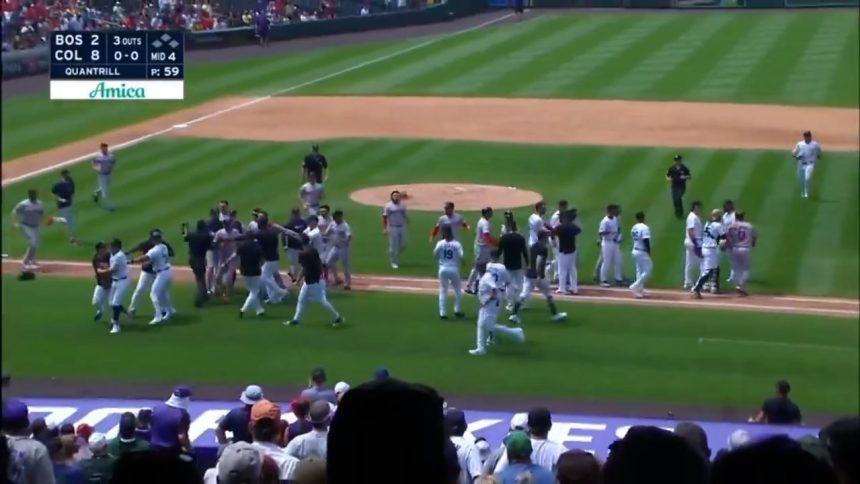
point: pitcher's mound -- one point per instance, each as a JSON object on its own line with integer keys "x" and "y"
{"x": 432, "y": 196}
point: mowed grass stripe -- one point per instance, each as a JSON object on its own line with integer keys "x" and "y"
{"x": 586, "y": 61}
{"x": 561, "y": 36}
{"x": 723, "y": 80}
{"x": 843, "y": 87}
{"x": 848, "y": 257}
{"x": 668, "y": 55}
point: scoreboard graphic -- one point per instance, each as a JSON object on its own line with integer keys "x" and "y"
{"x": 117, "y": 65}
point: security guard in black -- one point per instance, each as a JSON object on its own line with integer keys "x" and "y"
{"x": 199, "y": 242}
{"x": 678, "y": 175}
{"x": 512, "y": 247}
{"x": 311, "y": 264}
{"x": 250, "y": 258}
{"x": 314, "y": 164}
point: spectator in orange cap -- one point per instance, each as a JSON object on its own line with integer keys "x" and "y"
{"x": 265, "y": 428}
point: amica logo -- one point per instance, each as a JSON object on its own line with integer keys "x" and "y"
{"x": 103, "y": 91}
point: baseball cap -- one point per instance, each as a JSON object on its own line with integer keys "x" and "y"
{"x": 240, "y": 462}
{"x": 341, "y": 387}
{"x": 677, "y": 157}
{"x": 519, "y": 421}
{"x": 320, "y": 411}
{"x": 539, "y": 418}
{"x": 455, "y": 419}
{"x": 310, "y": 470}
{"x": 15, "y": 414}
{"x": 155, "y": 233}
{"x": 251, "y": 395}
{"x": 98, "y": 443}
{"x": 739, "y": 438}
{"x": 518, "y": 445}
{"x": 265, "y": 409}
{"x": 381, "y": 373}
{"x": 84, "y": 430}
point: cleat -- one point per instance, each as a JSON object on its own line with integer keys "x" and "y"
{"x": 696, "y": 294}
{"x": 443, "y": 316}
{"x": 559, "y": 317}
{"x": 98, "y": 315}
{"x": 337, "y": 322}
{"x": 260, "y": 313}
{"x": 131, "y": 313}
{"x": 515, "y": 319}
{"x": 291, "y": 322}
{"x": 469, "y": 291}
{"x": 114, "y": 329}
{"x": 155, "y": 321}
{"x": 605, "y": 284}
{"x": 714, "y": 290}
{"x": 346, "y": 288}
{"x": 460, "y": 315}
{"x": 509, "y": 308}
{"x": 241, "y": 314}
{"x": 478, "y": 352}
{"x": 394, "y": 265}
{"x": 742, "y": 292}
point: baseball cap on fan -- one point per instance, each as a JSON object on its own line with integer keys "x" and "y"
{"x": 519, "y": 421}
{"x": 240, "y": 462}
{"x": 251, "y": 395}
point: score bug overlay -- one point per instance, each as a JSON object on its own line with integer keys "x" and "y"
{"x": 117, "y": 65}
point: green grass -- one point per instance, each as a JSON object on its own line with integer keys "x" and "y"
{"x": 601, "y": 352}
{"x": 806, "y": 246}
{"x": 791, "y": 57}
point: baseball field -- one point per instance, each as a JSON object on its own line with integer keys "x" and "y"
{"x": 584, "y": 106}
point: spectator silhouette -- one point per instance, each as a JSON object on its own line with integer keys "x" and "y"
{"x": 842, "y": 439}
{"x": 776, "y": 460}
{"x": 648, "y": 455}
{"x": 578, "y": 467}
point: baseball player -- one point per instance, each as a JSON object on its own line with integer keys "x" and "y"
{"x": 28, "y": 215}
{"x": 713, "y": 240}
{"x": 555, "y": 221}
{"x": 484, "y": 241}
{"x": 565, "y": 234}
{"x": 807, "y": 152}
{"x": 742, "y": 238}
{"x": 159, "y": 257}
{"x": 490, "y": 293}
{"x": 225, "y": 247}
{"x": 103, "y": 165}
{"x": 341, "y": 239}
{"x": 452, "y": 219}
{"x": 313, "y": 233}
{"x": 147, "y": 274}
{"x": 118, "y": 270}
{"x": 449, "y": 254}
{"x": 641, "y": 235}
{"x": 313, "y": 288}
{"x": 268, "y": 235}
{"x": 728, "y": 220}
{"x": 310, "y": 194}
{"x": 394, "y": 220}
{"x": 610, "y": 246}
{"x": 64, "y": 193}
{"x": 101, "y": 260}
{"x": 250, "y": 256}
{"x": 513, "y": 251}
{"x": 692, "y": 244}
{"x": 536, "y": 278}
{"x": 325, "y": 225}
{"x": 293, "y": 246}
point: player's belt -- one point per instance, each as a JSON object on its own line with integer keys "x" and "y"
{"x": 162, "y": 270}
{"x": 119, "y": 278}
{"x": 395, "y": 226}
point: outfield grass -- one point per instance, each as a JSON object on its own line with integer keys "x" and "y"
{"x": 791, "y": 57}
{"x": 807, "y": 246}
{"x": 601, "y": 352}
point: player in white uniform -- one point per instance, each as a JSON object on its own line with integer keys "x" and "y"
{"x": 325, "y": 225}
{"x": 742, "y": 238}
{"x": 484, "y": 242}
{"x": 610, "y": 246}
{"x": 489, "y": 298}
{"x": 555, "y": 221}
{"x": 449, "y": 253}
{"x": 693, "y": 245}
{"x": 27, "y": 215}
{"x": 728, "y": 220}
{"x": 394, "y": 221}
{"x": 310, "y": 194}
{"x": 119, "y": 272}
{"x": 341, "y": 238}
{"x": 713, "y": 240}
{"x": 641, "y": 235}
{"x": 452, "y": 219}
{"x": 807, "y": 152}
{"x": 159, "y": 258}
{"x": 225, "y": 248}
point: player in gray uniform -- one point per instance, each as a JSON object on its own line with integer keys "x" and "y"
{"x": 341, "y": 238}
{"x": 394, "y": 220}
{"x": 741, "y": 239}
{"x": 27, "y": 215}
{"x": 103, "y": 164}
{"x": 451, "y": 218}
{"x": 310, "y": 194}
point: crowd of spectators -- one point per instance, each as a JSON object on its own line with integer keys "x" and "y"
{"x": 389, "y": 431}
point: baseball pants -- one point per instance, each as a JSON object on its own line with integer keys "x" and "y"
{"x": 482, "y": 258}
{"x": 740, "y": 258}
{"x": 541, "y": 285}
{"x": 710, "y": 266}
{"x": 567, "y": 275}
{"x": 100, "y": 297}
{"x": 159, "y": 294}
{"x": 226, "y": 275}
{"x": 252, "y": 283}
{"x": 396, "y": 242}
{"x": 678, "y": 200}
{"x": 692, "y": 263}
{"x": 515, "y": 287}
{"x": 273, "y": 290}
{"x": 340, "y": 254}
{"x": 644, "y": 266}
{"x": 313, "y": 292}
{"x": 71, "y": 224}
{"x": 610, "y": 252}
{"x": 211, "y": 270}
{"x": 293, "y": 258}
{"x": 144, "y": 282}
{"x": 117, "y": 291}
{"x": 198, "y": 267}
{"x": 487, "y": 324}
{"x": 804, "y": 174}
{"x": 32, "y": 233}
{"x": 449, "y": 277}
{"x": 103, "y": 190}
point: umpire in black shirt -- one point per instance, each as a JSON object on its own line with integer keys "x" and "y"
{"x": 199, "y": 242}
{"x": 512, "y": 250}
{"x": 315, "y": 164}
{"x": 566, "y": 233}
{"x": 678, "y": 175}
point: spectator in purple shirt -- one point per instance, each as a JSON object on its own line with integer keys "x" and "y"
{"x": 262, "y": 25}
{"x": 170, "y": 422}
{"x": 317, "y": 389}
{"x": 302, "y": 425}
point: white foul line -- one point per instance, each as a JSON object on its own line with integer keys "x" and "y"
{"x": 777, "y": 344}
{"x": 256, "y": 100}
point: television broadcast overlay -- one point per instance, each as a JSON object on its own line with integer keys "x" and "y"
{"x": 120, "y": 65}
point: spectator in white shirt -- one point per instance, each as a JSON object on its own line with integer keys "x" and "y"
{"x": 467, "y": 454}
{"x": 545, "y": 453}
{"x": 265, "y": 432}
{"x": 315, "y": 442}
